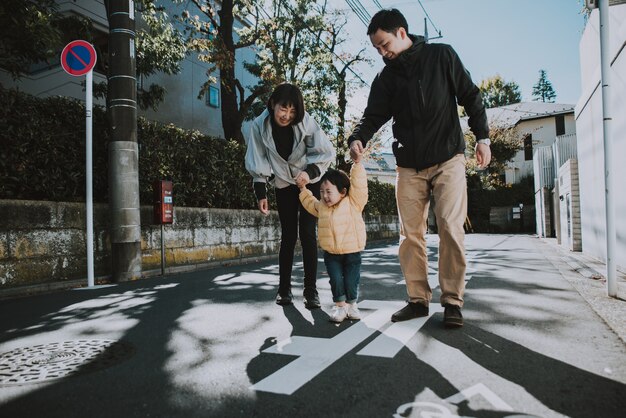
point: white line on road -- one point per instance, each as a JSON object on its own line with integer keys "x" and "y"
{"x": 316, "y": 354}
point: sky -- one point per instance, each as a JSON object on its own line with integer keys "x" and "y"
{"x": 513, "y": 38}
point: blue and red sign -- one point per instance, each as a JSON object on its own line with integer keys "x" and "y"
{"x": 78, "y": 58}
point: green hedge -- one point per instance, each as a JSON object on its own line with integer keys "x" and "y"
{"x": 42, "y": 157}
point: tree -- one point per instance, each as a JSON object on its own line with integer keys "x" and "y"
{"x": 30, "y": 34}
{"x": 543, "y": 89}
{"x": 302, "y": 44}
{"x": 505, "y": 143}
{"x": 496, "y": 92}
{"x": 212, "y": 37}
{"x": 160, "y": 48}
{"x": 295, "y": 41}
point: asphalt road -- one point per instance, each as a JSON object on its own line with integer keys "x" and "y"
{"x": 214, "y": 344}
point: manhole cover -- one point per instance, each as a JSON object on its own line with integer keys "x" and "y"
{"x": 51, "y": 361}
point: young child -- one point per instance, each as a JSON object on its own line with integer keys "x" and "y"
{"x": 341, "y": 233}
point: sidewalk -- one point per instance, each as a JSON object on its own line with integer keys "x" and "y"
{"x": 587, "y": 276}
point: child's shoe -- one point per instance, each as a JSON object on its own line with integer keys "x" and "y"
{"x": 338, "y": 314}
{"x": 353, "y": 311}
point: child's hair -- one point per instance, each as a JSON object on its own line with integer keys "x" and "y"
{"x": 286, "y": 94}
{"x": 388, "y": 20}
{"x": 338, "y": 178}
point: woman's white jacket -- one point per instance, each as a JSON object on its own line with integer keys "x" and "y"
{"x": 310, "y": 146}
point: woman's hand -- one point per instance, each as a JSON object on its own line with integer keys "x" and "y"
{"x": 264, "y": 206}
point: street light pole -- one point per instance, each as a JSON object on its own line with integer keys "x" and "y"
{"x": 605, "y": 68}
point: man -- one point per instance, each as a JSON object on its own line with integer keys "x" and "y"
{"x": 419, "y": 88}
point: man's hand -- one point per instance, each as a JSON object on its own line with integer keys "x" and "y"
{"x": 302, "y": 179}
{"x": 356, "y": 150}
{"x": 264, "y": 206}
{"x": 483, "y": 155}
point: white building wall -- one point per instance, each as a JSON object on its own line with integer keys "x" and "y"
{"x": 589, "y": 129}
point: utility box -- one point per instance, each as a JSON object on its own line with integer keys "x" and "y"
{"x": 163, "y": 202}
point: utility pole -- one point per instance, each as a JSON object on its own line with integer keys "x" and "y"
{"x": 123, "y": 148}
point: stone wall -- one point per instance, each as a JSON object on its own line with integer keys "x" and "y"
{"x": 43, "y": 243}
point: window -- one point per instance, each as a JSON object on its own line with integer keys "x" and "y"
{"x": 213, "y": 97}
{"x": 560, "y": 124}
{"x": 528, "y": 147}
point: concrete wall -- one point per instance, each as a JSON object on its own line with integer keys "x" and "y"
{"x": 507, "y": 219}
{"x": 589, "y": 128}
{"x": 44, "y": 242}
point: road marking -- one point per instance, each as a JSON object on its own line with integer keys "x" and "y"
{"x": 392, "y": 339}
{"x": 395, "y": 337}
{"x": 485, "y": 392}
{"x": 432, "y": 409}
{"x": 316, "y": 354}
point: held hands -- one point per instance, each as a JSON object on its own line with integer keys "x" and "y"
{"x": 302, "y": 179}
{"x": 264, "y": 206}
{"x": 356, "y": 150}
{"x": 483, "y": 155}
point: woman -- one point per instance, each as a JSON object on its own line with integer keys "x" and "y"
{"x": 286, "y": 142}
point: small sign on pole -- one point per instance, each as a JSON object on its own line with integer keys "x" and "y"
{"x": 78, "y": 58}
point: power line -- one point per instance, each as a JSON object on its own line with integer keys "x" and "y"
{"x": 430, "y": 20}
{"x": 360, "y": 11}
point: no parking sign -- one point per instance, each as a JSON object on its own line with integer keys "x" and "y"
{"x": 78, "y": 58}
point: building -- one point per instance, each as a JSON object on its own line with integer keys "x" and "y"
{"x": 543, "y": 130}
{"x": 381, "y": 167}
{"x": 537, "y": 125}
{"x": 181, "y": 107}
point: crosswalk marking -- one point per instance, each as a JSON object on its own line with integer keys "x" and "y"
{"x": 316, "y": 354}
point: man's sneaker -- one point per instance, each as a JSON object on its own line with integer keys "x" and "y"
{"x": 353, "y": 311}
{"x": 284, "y": 298}
{"x": 452, "y": 317}
{"x": 311, "y": 299}
{"x": 338, "y": 313}
{"x": 410, "y": 311}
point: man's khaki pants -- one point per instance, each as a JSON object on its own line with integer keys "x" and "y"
{"x": 449, "y": 188}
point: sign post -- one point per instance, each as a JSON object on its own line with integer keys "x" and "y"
{"x": 163, "y": 211}
{"x": 78, "y": 58}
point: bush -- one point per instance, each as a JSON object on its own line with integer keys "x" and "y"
{"x": 382, "y": 199}
{"x": 42, "y": 148}
{"x": 42, "y": 157}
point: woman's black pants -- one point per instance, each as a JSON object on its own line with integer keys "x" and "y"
{"x": 293, "y": 219}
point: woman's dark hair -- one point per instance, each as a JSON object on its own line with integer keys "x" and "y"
{"x": 338, "y": 178}
{"x": 287, "y": 95}
{"x": 388, "y": 20}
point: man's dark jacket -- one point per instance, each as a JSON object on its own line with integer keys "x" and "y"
{"x": 420, "y": 89}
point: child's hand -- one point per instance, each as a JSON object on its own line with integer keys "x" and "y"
{"x": 302, "y": 179}
{"x": 357, "y": 158}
